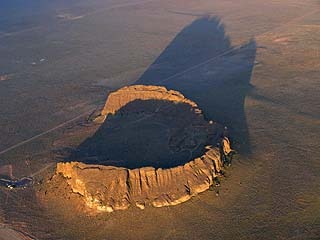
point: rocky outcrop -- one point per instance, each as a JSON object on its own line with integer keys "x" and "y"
{"x": 107, "y": 188}
{"x": 116, "y": 100}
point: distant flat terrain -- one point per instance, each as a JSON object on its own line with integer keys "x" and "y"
{"x": 252, "y": 65}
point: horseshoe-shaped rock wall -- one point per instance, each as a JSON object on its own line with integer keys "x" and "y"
{"x": 109, "y": 188}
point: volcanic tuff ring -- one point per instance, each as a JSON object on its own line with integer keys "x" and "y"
{"x": 109, "y": 188}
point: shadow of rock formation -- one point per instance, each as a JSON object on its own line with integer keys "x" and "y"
{"x": 201, "y": 63}
{"x": 156, "y": 133}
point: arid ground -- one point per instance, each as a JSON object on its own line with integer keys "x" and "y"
{"x": 252, "y": 65}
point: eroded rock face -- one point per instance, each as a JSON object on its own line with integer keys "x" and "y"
{"x": 123, "y": 96}
{"x": 107, "y": 188}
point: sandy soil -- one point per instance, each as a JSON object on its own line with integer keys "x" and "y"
{"x": 253, "y": 65}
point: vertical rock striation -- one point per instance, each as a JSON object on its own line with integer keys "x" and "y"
{"x": 107, "y": 188}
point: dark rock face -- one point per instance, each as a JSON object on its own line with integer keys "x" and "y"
{"x": 156, "y": 133}
{"x": 148, "y": 126}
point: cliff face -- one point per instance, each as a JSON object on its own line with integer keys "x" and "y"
{"x": 107, "y": 188}
{"x": 123, "y": 96}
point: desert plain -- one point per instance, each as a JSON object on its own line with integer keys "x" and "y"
{"x": 251, "y": 65}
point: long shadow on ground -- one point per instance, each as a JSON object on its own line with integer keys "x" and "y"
{"x": 201, "y": 63}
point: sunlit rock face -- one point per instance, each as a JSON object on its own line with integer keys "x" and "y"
{"x": 154, "y": 147}
{"x": 108, "y": 188}
{"x": 123, "y": 96}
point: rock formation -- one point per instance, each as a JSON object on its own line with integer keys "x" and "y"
{"x": 123, "y": 96}
{"x": 109, "y": 188}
